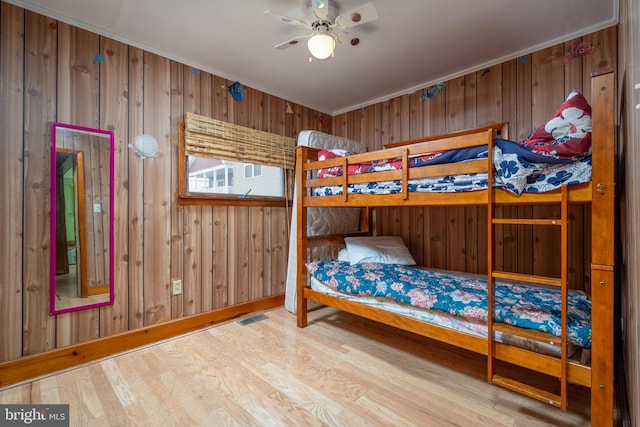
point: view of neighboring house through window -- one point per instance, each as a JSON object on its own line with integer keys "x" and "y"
{"x": 252, "y": 171}
{"x": 212, "y": 176}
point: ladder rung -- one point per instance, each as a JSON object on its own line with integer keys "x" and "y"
{"x": 548, "y": 365}
{"x": 527, "y": 390}
{"x": 529, "y": 334}
{"x": 527, "y": 221}
{"x": 529, "y": 278}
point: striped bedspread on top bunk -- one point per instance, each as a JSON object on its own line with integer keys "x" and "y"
{"x": 517, "y": 169}
{"x": 517, "y": 304}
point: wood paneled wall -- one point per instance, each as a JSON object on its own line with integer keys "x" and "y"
{"x": 52, "y": 71}
{"x": 629, "y": 194}
{"x": 525, "y": 92}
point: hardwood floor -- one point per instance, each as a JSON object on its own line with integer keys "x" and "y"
{"x": 340, "y": 371}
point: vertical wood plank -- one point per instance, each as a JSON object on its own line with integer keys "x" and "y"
{"x": 386, "y": 217}
{"x": 548, "y": 95}
{"x": 340, "y": 126}
{"x": 279, "y": 218}
{"x": 301, "y": 116}
{"x": 220, "y": 266}
{"x": 241, "y": 108}
{"x": 40, "y": 108}
{"x": 435, "y": 112}
{"x": 12, "y": 120}
{"x": 157, "y": 191}
{"x": 240, "y": 238}
{"x": 524, "y": 125}
{"x": 368, "y": 123}
{"x": 280, "y": 226}
{"x": 177, "y": 212}
{"x": 473, "y": 249}
{"x": 489, "y": 110}
{"x": 602, "y": 58}
{"x": 427, "y": 249}
{"x": 114, "y": 116}
{"x": 455, "y": 215}
{"x": 136, "y": 191}
{"x": 192, "y": 230}
{"x": 403, "y": 116}
{"x": 78, "y": 75}
{"x": 236, "y": 253}
{"x": 355, "y": 119}
{"x": 268, "y": 253}
{"x": 206, "y": 221}
{"x": 255, "y": 273}
{"x": 507, "y": 236}
{"x": 267, "y": 260}
{"x": 415, "y": 224}
{"x": 78, "y": 100}
{"x": 257, "y": 232}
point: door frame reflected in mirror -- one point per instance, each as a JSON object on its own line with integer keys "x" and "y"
{"x": 79, "y": 145}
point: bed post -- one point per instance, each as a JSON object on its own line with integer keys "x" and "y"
{"x": 602, "y": 252}
{"x": 301, "y": 236}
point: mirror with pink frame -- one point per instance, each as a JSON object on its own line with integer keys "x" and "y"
{"x": 81, "y": 218}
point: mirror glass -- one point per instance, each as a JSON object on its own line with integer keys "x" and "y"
{"x": 81, "y": 218}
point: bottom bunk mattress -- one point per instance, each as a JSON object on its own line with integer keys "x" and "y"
{"x": 458, "y": 301}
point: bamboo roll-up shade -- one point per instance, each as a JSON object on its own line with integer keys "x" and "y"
{"x": 206, "y": 137}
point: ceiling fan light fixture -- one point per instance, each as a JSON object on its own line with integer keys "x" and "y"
{"x": 321, "y": 46}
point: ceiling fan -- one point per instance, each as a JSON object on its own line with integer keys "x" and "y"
{"x": 326, "y": 26}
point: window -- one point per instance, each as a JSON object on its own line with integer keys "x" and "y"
{"x": 230, "y": 164}
{"x": 212, "y": 176}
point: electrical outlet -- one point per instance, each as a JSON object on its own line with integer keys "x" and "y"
{"x": 176, "y": 286}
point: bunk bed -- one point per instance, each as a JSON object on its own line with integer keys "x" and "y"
{"x": 322, "y": 183}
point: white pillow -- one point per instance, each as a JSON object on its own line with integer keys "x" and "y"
{"x": 381, "y": 249}
{"x": 343, "y": 255}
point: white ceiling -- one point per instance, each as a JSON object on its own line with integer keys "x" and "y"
{"x": 413, "y": 44}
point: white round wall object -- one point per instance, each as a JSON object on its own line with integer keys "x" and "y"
{"x": 145, "y": 146}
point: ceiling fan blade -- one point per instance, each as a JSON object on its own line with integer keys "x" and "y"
{"x": 320, "y": 9}
{"x": 345, "y": 37}
{"x": 287, "y": 20}
{"x": 292, "y": 42}
{"x": 360, "y": 15}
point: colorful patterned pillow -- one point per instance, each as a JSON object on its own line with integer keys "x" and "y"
{"x": 335, "y": 171}
{"x": 568, "y": 134}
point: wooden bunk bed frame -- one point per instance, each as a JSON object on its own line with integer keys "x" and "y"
{"x": 598, "y": 194}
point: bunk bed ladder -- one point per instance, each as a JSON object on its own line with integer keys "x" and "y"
{"x": 553, "y": 366}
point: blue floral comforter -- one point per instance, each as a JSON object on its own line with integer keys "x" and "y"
{"x": 522, "y": 305}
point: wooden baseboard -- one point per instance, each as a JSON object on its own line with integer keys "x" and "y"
{"x": 29, "y": 367}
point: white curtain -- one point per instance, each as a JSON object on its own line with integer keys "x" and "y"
{"x": 319, "y": 220}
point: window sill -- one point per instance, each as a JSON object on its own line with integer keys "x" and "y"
{"x": 219, "y": 200}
